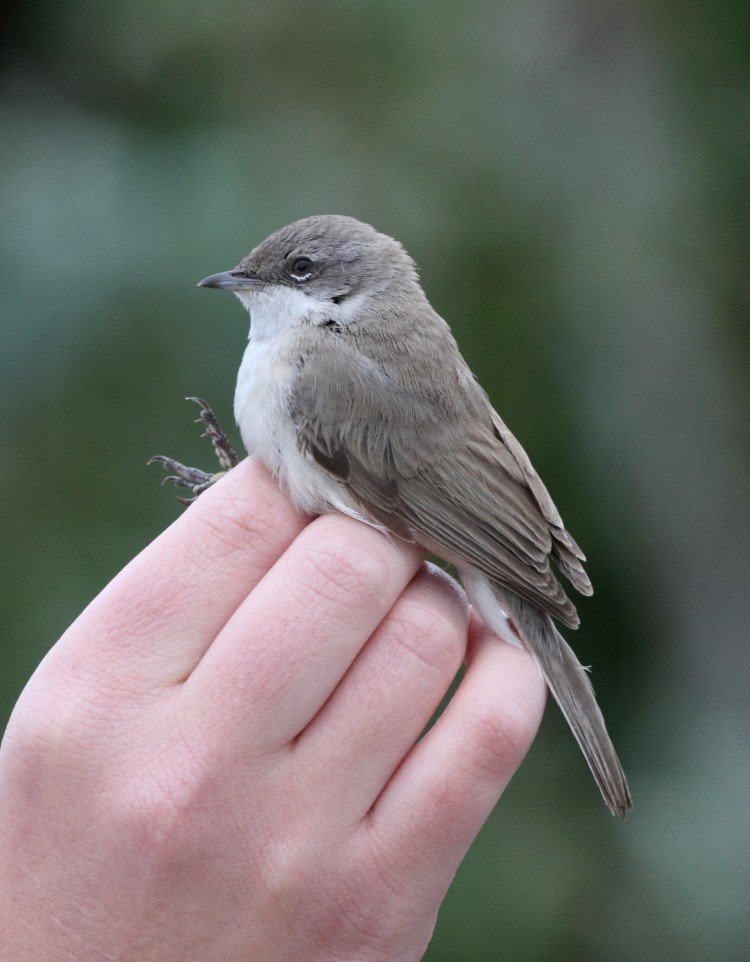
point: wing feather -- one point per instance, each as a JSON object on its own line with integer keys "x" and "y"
{"x": 449, "y": 476}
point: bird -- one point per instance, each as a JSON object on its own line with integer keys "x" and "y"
{"x": 354, "y": 393}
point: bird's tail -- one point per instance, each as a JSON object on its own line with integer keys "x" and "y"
{"x": 567, "y": 680}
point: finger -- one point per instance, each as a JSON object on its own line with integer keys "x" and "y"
{"x": 156, "y": 619}
{"x": 277, "y": 660}
{"x": 440, "y": 797}
{"x": 388, "y": 696}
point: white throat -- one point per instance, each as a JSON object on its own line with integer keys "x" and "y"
{"x": 279, "y": 309}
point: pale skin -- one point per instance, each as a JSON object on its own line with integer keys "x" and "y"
{"x": 217, "y": 761}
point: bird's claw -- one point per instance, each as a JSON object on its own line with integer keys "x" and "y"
{"x": 194, "y": 479}
{"x": 225, "y": 453}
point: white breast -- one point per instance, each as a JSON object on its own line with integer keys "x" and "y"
{"x": 263, "y": 395}
{"x": 261, "y": 409}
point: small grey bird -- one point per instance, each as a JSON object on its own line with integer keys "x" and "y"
{"x": 353, "y": 392}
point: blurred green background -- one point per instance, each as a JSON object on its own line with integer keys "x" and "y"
{"x": 572, "y": 179}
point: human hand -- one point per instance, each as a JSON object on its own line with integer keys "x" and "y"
{"x": 218, "y": 759}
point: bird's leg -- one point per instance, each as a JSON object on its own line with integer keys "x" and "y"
{"x": 195, "y": 480}
{"x": 224, "y": 451}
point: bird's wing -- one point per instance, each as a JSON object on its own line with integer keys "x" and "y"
{"x": 444, "y": 472}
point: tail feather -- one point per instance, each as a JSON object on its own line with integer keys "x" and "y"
{"x": 567, "y": 680}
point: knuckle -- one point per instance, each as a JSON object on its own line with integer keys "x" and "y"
{"x": 257, "y": 517}
{"x": 431, "y": 633}
{"x": 33, "y": 730}
{"x": 365, "y": 906}
{"x": 339, "y": 565}
{"x": 498, "y": 733}
{"x": 166, "y": 806}
{"x": 58, "y": 718}
{"x": 349, "y": 910}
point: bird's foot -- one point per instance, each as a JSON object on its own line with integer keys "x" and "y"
{"x": 194, "y": 479}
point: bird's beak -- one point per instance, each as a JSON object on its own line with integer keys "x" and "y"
{"x": 235, "y": 280}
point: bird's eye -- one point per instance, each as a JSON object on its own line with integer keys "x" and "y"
{"x": 301, "y": 268}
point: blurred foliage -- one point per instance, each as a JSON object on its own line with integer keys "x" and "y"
{"x": 572, "y": 180}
